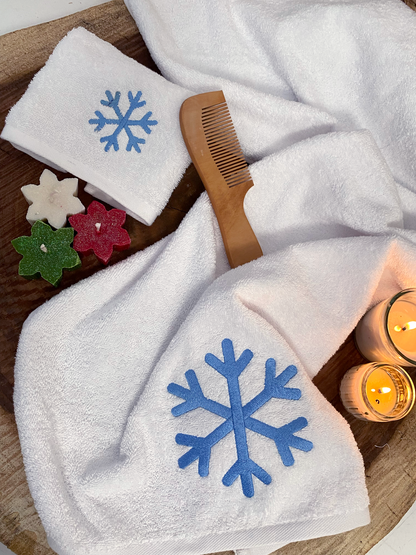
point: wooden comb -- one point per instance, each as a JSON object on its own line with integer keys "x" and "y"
{"x": 213, "y": 145}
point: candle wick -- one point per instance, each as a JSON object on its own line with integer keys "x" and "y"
{"x": 98, "y": 227}
{"x": 406, "y": 327}
{"x": 43, "y": 248}
{"x": 384, "y": 390}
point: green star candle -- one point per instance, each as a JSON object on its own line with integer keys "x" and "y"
{"x": 46, "y": 253}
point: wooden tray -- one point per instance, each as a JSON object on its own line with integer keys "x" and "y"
{"x": 388, "y": 449}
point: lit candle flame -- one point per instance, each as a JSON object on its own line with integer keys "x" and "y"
{"x": 98, "y": 227}
{"x": 406, "y": 327}
{"x": 43, "y": 248}
{"x": 384, "y": 390}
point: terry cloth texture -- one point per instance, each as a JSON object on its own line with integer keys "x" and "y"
{"x": 161, "y": 402}
{"x": 287, "y": 64}
{"x": 100, "y": 115}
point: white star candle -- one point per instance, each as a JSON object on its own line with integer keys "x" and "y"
{"x": 388, "y": 331}
{"x": 52, "y": 200}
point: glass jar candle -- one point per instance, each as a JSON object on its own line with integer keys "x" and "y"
{"x": 377, "y": 391}
{"x": 388, "y": 331}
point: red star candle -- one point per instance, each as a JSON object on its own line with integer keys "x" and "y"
{"x": 99, "y": 231}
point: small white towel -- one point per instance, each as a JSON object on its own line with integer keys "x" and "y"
{"x": 102, "y": 370}
{"x": 108, "y": 120}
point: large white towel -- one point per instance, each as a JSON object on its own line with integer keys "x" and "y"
{"x": 100, "y": 115}
{"x": 103, "y": 368}
{"x": 352, "y": 61}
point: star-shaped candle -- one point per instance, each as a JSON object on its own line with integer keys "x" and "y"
{"x": 100, "y": 231}
{"x": 46, "y": 252}
{"x": 52, "y": 200}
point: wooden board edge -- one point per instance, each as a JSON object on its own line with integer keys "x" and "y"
{"x": 25, "y": 51}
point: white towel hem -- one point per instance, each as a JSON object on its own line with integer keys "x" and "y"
{"x": 139, "y": 209}
{"x": 229, "y": 541}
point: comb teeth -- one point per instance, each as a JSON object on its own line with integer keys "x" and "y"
{"x": 223, "y": 144}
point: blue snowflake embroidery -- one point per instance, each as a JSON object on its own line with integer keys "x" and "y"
{"x": 123, "y": 121}
{"x": 239, "y": 418}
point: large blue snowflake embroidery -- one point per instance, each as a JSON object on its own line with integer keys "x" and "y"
{"x": 123, "y": 121}
{"x": 239, "y": 418}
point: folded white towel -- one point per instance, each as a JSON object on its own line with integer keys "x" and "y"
{"x": 107, "y": 119}
{"x": 120, "y": 376}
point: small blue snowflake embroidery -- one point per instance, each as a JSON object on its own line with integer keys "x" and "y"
{"x": 123, "y": 121}
{"x": 239, "y": 418}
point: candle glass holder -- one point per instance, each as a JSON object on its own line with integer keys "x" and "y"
{"x": 378, "y": 392}
{"x": 387, "y": 332}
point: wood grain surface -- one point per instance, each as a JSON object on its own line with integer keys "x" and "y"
{"x": 387, "y": 449}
